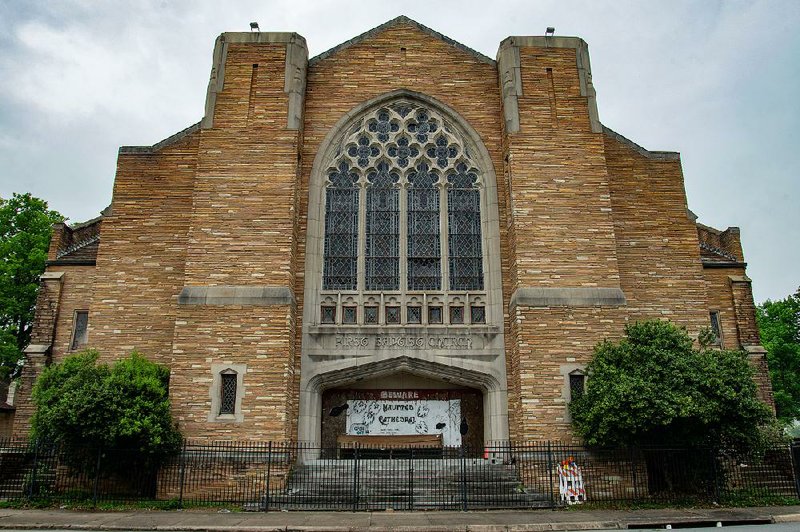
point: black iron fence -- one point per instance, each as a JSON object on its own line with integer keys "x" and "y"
{"x": 291, "y": 476}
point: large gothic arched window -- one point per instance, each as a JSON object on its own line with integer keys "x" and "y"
{"x": 403, "y": 220}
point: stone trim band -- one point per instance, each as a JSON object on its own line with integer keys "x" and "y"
{"x": 236, "y": 295}
{"x": 567, "y": 297}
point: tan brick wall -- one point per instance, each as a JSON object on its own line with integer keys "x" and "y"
{"x": 720, "y": 298}
{"x": 140, "y": 263}
{"x": 549, "y": 339}
{"x": 256, "y": 336}
{"x": 657, "y": 244}
{"x": 561, "y": 203}
{"x": 241, "y": 233}
{"x": 76, "y": 294}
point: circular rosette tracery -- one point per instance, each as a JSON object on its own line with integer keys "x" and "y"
{"x": 423, "y": 125}
{"x": 443, "y": 151}
{"x": 362, "y": 151}
{"x": 382, "y": 125}
{"x": 402, "y": 151}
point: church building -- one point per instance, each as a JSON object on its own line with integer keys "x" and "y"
{"x": 397, "y": 237}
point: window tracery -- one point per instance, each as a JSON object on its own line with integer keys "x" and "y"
{"x": 403, "y": 212}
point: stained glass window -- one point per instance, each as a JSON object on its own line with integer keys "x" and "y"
{"x": 383, "y": 229}
{"x": 464, "y": 226}
{"x": 348, "y": 314}
{"x": 390, "y": 175}
{"x": 392, "y": 314}
{"x": 414, "y": 314}
{"x": 328, "y": 314}
{"x": 424, "y": 253}
{"x": 370, "y": 315}
{"x": 434, "y": 315}
{"x": 228, "y": 393}
{"x": 341, "y": 230}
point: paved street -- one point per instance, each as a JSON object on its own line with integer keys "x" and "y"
{"x": 786, "y": 518}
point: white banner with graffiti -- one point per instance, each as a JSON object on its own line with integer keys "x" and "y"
{"x": 368, "y": 417}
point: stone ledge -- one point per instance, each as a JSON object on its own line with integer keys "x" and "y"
{"x": 37, "y": 349}
{"x": 236, "y": 295}
{"x": 567, "y": 297}
{"x": 51, "y": 276}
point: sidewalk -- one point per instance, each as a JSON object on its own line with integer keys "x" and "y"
{"x": 341, "y": 521}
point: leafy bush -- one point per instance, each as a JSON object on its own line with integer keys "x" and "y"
{"x": 86, "y": 407}
{"x": 654, "y": 387}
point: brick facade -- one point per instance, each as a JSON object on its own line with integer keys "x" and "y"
{"x": 203, "y": 259}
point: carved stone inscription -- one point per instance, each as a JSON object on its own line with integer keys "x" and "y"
{"x": 388, "y": 341}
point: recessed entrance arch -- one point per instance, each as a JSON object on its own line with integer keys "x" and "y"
{"x": 494, "y": 398}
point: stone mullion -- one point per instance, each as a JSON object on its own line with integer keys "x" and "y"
{"x": 362, "y": 242}
{"x": 444, "y": 241}
{"x": 403, "y": 246}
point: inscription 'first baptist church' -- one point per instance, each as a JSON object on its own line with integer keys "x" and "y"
{"x": 353, "y": 341}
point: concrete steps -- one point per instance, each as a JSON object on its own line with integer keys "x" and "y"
{"x": 404, "y": 484}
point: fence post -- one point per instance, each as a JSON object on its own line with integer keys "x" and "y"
{"x": 714, "y": 475}
{"x": 355, "y": 477}
{"x": 550, "y": 470}
{"x": 269, "y": 471}
{"x": 463, "y": 480}
{"x": 411, "y": 480}
{"x": 32, "y": 484}
{"x": 632, "y": 458}
{"x": 181, "y": 475}
{"x": 96, "y": 477}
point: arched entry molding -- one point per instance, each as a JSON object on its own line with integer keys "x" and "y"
{"x": 336, "y": 348}
{"x": 495, "y": 398}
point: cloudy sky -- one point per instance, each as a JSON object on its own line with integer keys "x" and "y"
{"x": 718, "y": 81}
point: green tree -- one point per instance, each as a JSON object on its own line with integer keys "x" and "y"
{"x": 654, "y": 387}
{"x": 779, "y": 324}
{"x": 84, "y": 406}
{"x": 25, "y": 228}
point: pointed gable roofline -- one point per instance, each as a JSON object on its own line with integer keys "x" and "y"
{"x": 402, "y": 19}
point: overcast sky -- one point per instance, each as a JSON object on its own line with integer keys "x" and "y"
{"x": 717, "y": 81}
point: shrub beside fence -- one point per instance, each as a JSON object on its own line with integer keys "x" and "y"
{"x": 291, "y": 476}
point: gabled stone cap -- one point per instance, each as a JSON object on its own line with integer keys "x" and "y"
{"x": 402, "y": 19}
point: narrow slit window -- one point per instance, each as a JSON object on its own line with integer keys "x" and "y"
{"x": 227, "y": 404}
{"x": 716, "y": 329}
{"x": 577, "y": 385}
{"x": 80, "y": 332}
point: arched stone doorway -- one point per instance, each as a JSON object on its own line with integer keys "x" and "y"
{"x": 483, "y": 400}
